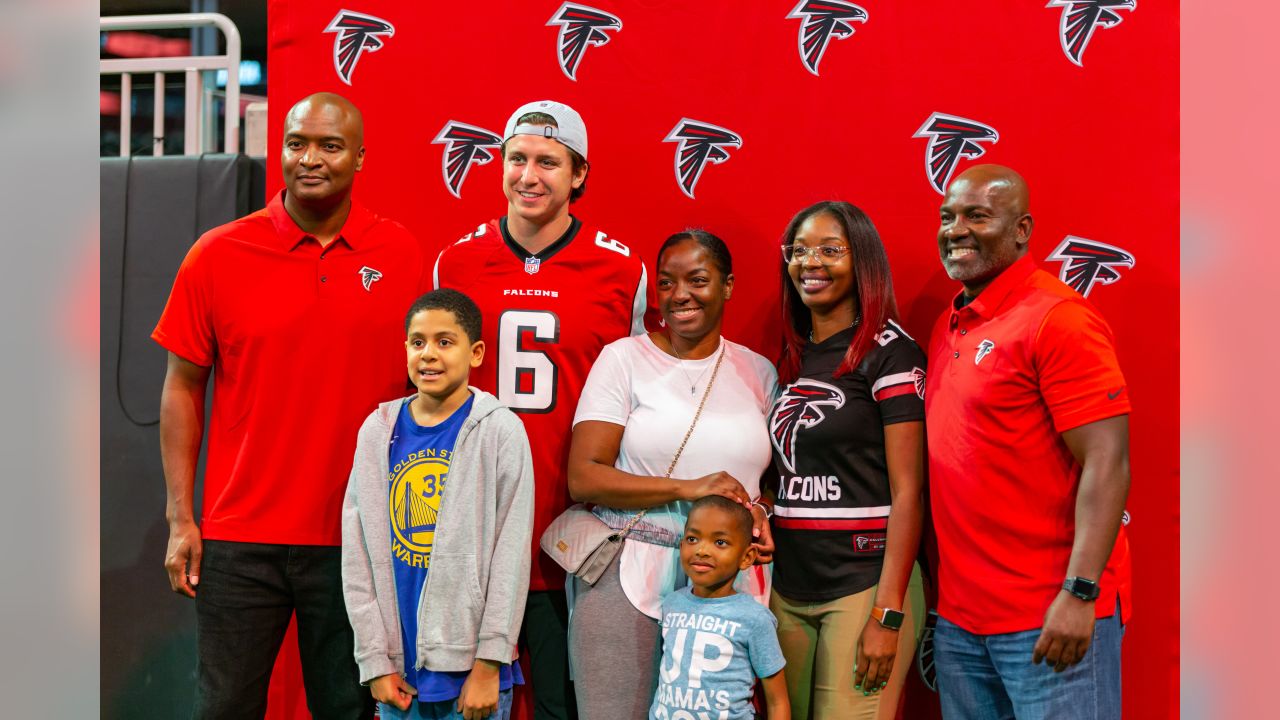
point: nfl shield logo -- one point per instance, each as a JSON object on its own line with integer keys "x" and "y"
{"x": 531, "y": 265}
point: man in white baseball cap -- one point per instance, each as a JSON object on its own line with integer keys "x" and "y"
{"x": 553, "y": 292}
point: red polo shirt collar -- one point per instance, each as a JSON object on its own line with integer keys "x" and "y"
{"x": 993, "y": 296}
{"x": 359, "y": 220}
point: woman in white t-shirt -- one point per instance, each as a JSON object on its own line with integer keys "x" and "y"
{"x": 636, "y": 407}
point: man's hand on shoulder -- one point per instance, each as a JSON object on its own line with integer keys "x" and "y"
{"x": 182, "y": 558}
{"x": 1067, "y": 632}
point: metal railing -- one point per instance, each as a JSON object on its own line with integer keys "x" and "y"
{"x": 192, "y": 66}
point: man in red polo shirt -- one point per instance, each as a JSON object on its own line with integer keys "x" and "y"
{"x": 296, "y": 310}
{"x": 1027, "y": 415}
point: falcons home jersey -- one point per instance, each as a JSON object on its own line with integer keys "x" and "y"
{"x": 546, "y": 318}
{"x": 828, "y": 450}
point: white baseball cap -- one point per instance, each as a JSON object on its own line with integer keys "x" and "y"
{"x": 569, "y": 130}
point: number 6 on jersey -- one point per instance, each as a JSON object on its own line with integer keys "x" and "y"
{"x": 526, "y": 378}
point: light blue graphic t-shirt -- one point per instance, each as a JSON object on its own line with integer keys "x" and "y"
{"x": 713, "y": 650}
{"x": 419, "y": 463}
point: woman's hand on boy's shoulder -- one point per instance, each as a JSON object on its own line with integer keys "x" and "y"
{"x": 479, "y": 697}
{"x": 392, "y": 690}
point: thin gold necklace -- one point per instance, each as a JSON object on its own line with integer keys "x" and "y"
{"x": 693, "y": 382}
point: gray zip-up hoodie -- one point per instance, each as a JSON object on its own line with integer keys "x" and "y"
{"x": 473, "y": 601}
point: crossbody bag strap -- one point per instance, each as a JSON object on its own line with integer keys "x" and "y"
{"x": 705, "y": 394}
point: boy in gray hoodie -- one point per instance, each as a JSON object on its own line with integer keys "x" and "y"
{"x": 435, "y": 581}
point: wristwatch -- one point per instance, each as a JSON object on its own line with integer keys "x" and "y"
{"x": 888, "y": 617}
{"x": 1080, "y": 587}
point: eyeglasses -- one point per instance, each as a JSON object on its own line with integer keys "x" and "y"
{"x": 826, "y": 254}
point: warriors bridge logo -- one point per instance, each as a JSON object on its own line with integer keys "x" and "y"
{"x": 356, "y": 33}
{"x": 951, "y": 138}
{"x": 800, "y": 407}
{"x": 1086, "y": 263}
{"x": 822, "y": 20}
{"x": 1080, "y": 18}
{"x": 417, "y": 482}
{"x": 580, "y": 27}
{"x": 464, "y": 145}
{"x": 700, "y": 143}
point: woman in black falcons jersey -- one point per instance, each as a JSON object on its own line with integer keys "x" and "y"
{"x": 848, "y": 448}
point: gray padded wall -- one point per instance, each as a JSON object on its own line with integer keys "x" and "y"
{"x": 153, "y": 209}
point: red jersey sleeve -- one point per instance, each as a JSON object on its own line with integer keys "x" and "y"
{"x": 186, "y": 325}
{"x": 1079, "y": 374}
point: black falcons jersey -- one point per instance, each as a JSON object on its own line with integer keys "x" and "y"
{"x": 828, "y": 451}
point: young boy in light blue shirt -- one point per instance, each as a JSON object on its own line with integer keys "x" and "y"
{"x": 716, "y": 642}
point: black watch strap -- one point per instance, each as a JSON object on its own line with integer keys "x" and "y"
{"x": 1082, "y": 588}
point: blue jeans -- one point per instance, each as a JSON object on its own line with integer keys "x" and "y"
{"x": 247, "y": 593}
{"x": 991, "y": 677}
{"x": 442, "y": 710}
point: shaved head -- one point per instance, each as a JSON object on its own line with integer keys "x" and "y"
{"x": 1003, "y": 182}
{"x": 349, "y": 113}
{"x": 985, "y": 225}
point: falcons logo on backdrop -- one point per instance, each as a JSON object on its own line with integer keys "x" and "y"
{"x": 951, "y": 138}
{"x": 369, "y": 276}
{"x": 356, "y": 33}
{"x": 464, "y": 145}
{"x": 700, "y": 143}
{"x": 823, "y": 19}
{"x": 580, "y": 26}
{"x": 1086, "y": 263}
{"x": 1081, "y": 17}
{"x": 800, "y": 407}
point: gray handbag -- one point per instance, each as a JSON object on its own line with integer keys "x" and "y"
{"x": 582, "y": 543}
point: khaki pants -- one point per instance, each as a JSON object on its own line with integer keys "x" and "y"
{"x": 819, "y": 641}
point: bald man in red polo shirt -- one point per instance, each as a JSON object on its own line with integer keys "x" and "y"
{"x": 296, "y": 310}
{"x": 1027, "y": 416}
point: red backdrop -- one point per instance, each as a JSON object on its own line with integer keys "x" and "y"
{"x": 1084, "y": 105}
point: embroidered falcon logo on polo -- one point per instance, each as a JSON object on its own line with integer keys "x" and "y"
{"x": 1086, "y": 263}
{"x": 950, "y": 138}
{"x": 1080, "y": 18}
{"x": 580, "y": 27}
{"x": 701, "y": 144}
{"x": 800, "y": 407}
{"x": 984, "y": 348}
{"x": 369, "y": 276}
{"x": 356, "y": 34}
{"x": 823, "y": 20}
{"x": 464, "y": 145}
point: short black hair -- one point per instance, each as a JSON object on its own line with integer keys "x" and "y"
{"x": 463, "y": 308}
{"x": 714, "y": 246}
{"x": 742, "y": 520}
{"x": 541, "y": 118}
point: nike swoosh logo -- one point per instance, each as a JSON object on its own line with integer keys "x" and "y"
{"x": 1116, "y": 394}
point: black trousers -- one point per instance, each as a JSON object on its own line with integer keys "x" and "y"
{"x": 546, "y": 639}
{"x": 246, "y": 595}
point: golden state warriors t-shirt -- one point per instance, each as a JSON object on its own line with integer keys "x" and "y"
{"x": 419, "y": 463}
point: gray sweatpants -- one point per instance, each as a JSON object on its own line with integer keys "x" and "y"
{"x": 614, "y": 651}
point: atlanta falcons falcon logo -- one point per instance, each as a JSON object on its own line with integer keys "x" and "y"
{"x": 464, "y": 145}
{"x": 580, "y": 26}
{"x": 951, "y": 138}
{"x": 369, "y": 276}
{"x": 1081, "y": 17}
{"x": 356, "y": 33}
{"x": 700, "y": 143}
{"x": 823, "y": 19}
{"x": 800, "y": 407}
{"x": 1086, "y": 263}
